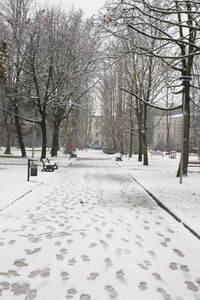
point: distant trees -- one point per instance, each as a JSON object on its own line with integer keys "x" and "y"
{"x": 52, "y": 59}
{"x": 164, "y": 34}
{"x": 13, "y": 18}
{"x": 50, "y": 64}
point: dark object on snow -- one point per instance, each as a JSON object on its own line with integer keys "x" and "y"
{"x": 32, "y": 168}
{"x": 119, "y": 158}
{"x": 49, "y": 165}
{"x": 73, "y": 155}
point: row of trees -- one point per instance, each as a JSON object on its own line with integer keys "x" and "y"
{"x": 48, "y": 61}
{"x": 155, "y": 43}
{"x": 53, "y": 59}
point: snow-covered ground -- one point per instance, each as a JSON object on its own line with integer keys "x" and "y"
{"x": 14, "y": 171}
{"x": 160, "y": 179}
{"x": 88, "y": 231}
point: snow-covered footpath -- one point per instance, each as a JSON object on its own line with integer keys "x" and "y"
{"x": 13, "y": 175}
{"x": 89, "y": 231}
{"x": 159, "y": 178}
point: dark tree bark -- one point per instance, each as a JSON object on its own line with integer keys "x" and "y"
{"x": 144, "y": 136}
{"x": 139, "y": 122}
{"x": 19, "y": 132}
{"x": 55, "y": 139}
{"x": 58, "y": 117}
{"x": 8, "y": 137}
{"x": 140, "y": 145}
{"x": 186, "y": 121}
{"x": 44, "y": 135}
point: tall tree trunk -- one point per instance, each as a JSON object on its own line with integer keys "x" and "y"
{"x": 139, "y": 122}
{"x": 145, "y": 150}
{"x": 66, "y": 134}
{"x": 168, "y": 119}
{"x": 19, "y": 132}
{"x": 16, "y": 111}
{"x": 55, "y": 139}
{"x": 131, "y": 131}
{"x": 168, "y": 133}
{"x": 186, "y": 135}
{"x": 131, "y": 143}
{"x": 44, "y": 135}
{"x": 8, "y": 137}
{"x": 140, "y": 144}
{"x": 186, "y": 143}
{"x": 198, "y": 148}
{"x": 144, "y": 136}
{"x": 121, "y": 144}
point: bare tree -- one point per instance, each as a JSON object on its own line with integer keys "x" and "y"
{"x": 176, "y": 24}
{"x": 14, "y": 15}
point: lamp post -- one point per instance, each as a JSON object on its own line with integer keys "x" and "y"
{"x": 33, "y": 98}
{"x": 185, "y": 79}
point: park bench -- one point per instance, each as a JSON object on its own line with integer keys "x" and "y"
{"x": 73, "y": 155}
{"x": 49, "y": 165}
{"x": 119, "y": 158}
{"x": 195, "y": 163}
{"x": 171, "y": 154}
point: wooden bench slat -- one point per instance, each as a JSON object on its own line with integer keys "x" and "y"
{"x": 48, "y": 165}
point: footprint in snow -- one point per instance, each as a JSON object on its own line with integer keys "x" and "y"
{"x": 85, "y": 258}
{"x": 93, "y": 276}
{"x": 142, "y": 286}
{"x": 111, "y": 291}
{"x": 173, "y": 266}
{"x": 157, "y": 276}
{"x": 184, "y": 268}
{"x": 85, "y": 297}
{"x": 108, "y": 262}
{"x": 120, "y": 275}
{"x": 92, "y": 245}
{"x": 178, "y": 252}
{"x": 31, "y": 252}
{"x": 64, "y": 275}
{"x": 191, "y": 286}
{"x": 164, "y": 294}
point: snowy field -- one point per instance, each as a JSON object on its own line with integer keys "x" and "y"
{"x": 89, "y": 232}
{"x": 13, "y": 175}
{"x": 159, "y": 178}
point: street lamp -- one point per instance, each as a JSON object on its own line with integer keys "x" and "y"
{"x": 33, "y": 98}
{"x": 185, "y": 79}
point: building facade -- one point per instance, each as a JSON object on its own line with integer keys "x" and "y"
{"x": 174, "y": 124}
{"x": 96, "y": 138}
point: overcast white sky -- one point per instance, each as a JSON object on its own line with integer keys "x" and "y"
{"x": 89, "y": 7}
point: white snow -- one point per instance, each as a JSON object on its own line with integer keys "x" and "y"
{"x": 160, "y": 179}
{"x": 14, "y": 171}
{"x": 89, "y": 232}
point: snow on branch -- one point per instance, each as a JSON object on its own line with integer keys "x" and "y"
{"x": 21, "y": 117}
{"x": 150, "y": 104}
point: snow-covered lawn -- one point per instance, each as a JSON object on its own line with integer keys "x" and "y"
{"x": 14, "y": 171}
{"x": 160, "y": 179}
{"x": 90, "y": 232}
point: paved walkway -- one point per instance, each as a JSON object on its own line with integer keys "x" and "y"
{"x": 93, "y": 233}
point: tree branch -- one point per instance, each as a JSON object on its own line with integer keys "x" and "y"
{"x": 150, "y": 104}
